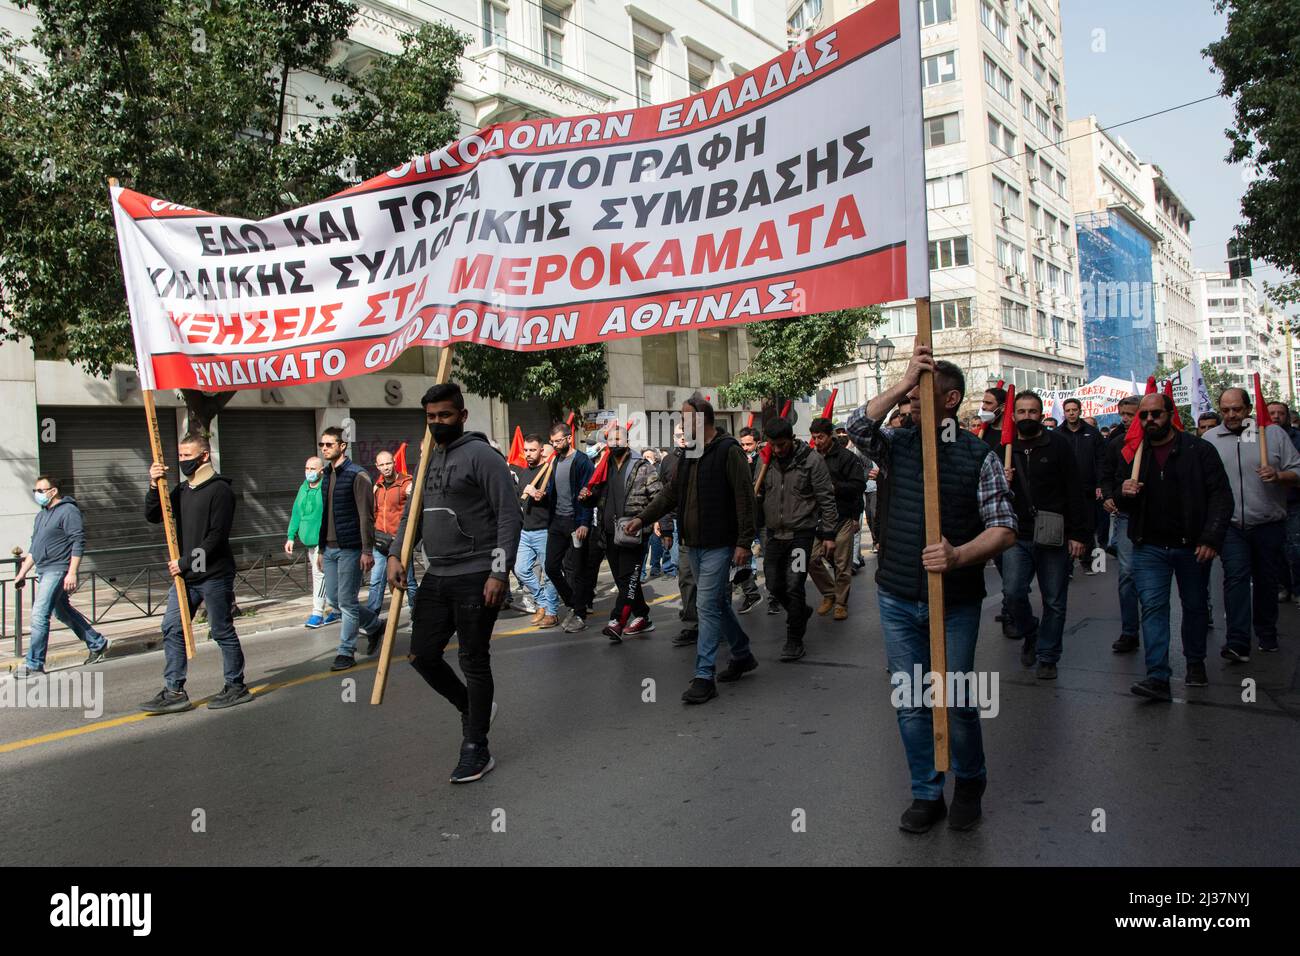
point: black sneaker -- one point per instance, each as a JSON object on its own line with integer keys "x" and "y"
{"x": 1046, "y": 671}
{"x": 966, "y": 810}
{"x": 773, "y": 607}
{"x": 475, "y": 761}
{"x": 1196, "y": 676}
{"x": 1268, "y": 648}
{"x": 1125, "y": 644}
{"x": 375, "y": 636}
{"x": 168, "y": 702}
{"x": 792, "y": 650}
{"x": 690, "y": 636}
{"x": 701, "y": 691}
{"x": 1152, "y": 689}
{"x": 737, "y": 669}
{"x": 1029, "y": 652}
{"x": 1234, "y": 655}
{"x": 97, "y": 657}
{"x": 614, "y": 631}
{"x": 343, "y": 662}
{"x": 751, "y": 601}
{"x": 923, "y": 814}
{"x": 230, "y": 695}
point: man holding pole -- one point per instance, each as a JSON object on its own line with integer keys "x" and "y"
{"x": 391, "y": 491}
{"x": 977, "y": 521}
{"x": 204, "y": 507}
{"x": 534, "y": 500}
{"x": 469, "y": 523}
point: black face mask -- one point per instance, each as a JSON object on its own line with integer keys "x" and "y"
{"x": 1028, "y": 428}
{"x": 620, "y": 452}
{"x": 445, "y": 434}
{"x": 905, "y": 421}
{"x": 188, "y": 468}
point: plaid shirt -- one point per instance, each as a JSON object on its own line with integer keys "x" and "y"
{"x": 993, "y": 493}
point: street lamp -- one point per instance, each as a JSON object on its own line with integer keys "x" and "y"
{"x": 877, "y": 354}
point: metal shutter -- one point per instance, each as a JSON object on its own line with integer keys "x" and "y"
{"x": 262, "y": 453}
{"x": 384, "y": 429}
{"x": 101, "y": 457}
{"x": 531, "y": 416}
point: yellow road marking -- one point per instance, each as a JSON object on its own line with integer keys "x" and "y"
{"x": 259, "y": 689}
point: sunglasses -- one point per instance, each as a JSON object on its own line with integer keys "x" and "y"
{"x": 327, "y": 444}
{"x": 1151, "y": 416}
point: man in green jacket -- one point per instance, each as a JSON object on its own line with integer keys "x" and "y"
{"x": 304, "y": 525}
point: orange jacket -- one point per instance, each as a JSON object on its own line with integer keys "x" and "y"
{"x": 390, "y": 500}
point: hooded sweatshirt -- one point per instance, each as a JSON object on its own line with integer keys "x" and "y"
{"x": 204, "y": 508}
{"x": 471, "y": 519}
{"x": 58, "y": 534}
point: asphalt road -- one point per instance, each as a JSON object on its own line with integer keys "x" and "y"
{"x": 590, "y": 773}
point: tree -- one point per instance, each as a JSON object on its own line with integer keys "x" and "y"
{"x": 1257, "y": 62}
{"x": 189, "y": 102}
{"x": 563, "y": 378}
{"x": 791, "y": 356}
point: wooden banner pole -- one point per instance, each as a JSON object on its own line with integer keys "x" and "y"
{"x": 540, "y": 479}
{"x": 933, "y": 533}
{"x": 414, "y": 515}
{"x": 169, "y": 523}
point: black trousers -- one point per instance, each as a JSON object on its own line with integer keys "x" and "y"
{"x": 624, "y": 564}
{"x": 785, "y": 568}
{"x": 571, "y": 569}
{"x": 454, "y": 605}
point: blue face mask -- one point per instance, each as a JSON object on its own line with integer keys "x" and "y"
{"x": 42, "y": 498}
{"x": 312, "y": 476}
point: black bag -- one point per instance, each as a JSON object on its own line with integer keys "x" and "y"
{"x": 383, "y": 542}
{"x": 1049, "y": 526}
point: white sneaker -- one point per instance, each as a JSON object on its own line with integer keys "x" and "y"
{"x": 530, "y": 606}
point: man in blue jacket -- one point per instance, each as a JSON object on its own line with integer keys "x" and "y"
{"x": 58, "y": 541}
{"x": 568, "y": 534}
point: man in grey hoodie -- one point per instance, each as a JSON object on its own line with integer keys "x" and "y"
{"x": 58, "y": 542}
{"x": 470, "y": 528}
{"x": 1253, "y": 550}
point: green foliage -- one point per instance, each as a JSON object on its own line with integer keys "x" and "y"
{"x": 1216, "y": 380}
{"x": 1257, "y": 61}
{"x": 791, "y": 356}
{"x": 563, "y": 378}
{"x": 187, "y": 101}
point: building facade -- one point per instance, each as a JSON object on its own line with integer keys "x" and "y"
{"x": 1239, "y": 333}
{"x": 1172, "y": 272}
{"x": 527, "y": 59}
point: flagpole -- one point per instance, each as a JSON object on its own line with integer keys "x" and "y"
{"x": 415, "y": 513}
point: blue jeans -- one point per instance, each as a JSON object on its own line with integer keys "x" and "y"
{"x": 1020, "y": 564}
{"x": 1129, "y": 619}
{"x": 717, "y": 619}
{"x": 656, "y": 555}
{"x": 1153, "y": 568}
{"x": 906, "y": 626}
{"x": 671, "y": 559}
{"x": 531, "y": 553}
{"x": 342, "y": 585}
{"x": 1251, "y": 567}
{"x": 217, "y": 595}
{"x": 48, "y": 597}
{"x": 378, "y": 583}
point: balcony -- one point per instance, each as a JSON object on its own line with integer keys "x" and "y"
{"x": 504, "y": 85}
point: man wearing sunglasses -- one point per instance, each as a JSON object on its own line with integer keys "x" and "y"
{"x": 347, "y": 541}
{"x": 1178, "y": 510}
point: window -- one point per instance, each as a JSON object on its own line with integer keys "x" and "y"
{"x": 1058, "y": 133}
{"x": 1042, "y": 120}
{"x": 1060, "y": 185}
{"x": 1026, "y": 105}
{"x": 1040, "y": 273}
{"x": 997, "y": 78}
{"x": 1056, "y": 328}
{"x": 1008, "y": 198}
{"x": 805, "y": 17}
{"x": 700, "y": 68}
{"x": 993, "y": 20}
{"x": 1015, "y": 315}
{"x": 1054, "y": 278}
{"x": 1002, "y": 137}
{"x": 940, "y": 68}
{"x": 945, "y": 191}
{"x": 1039, "y": 71}
{"x": 715, "y": 356}
{"x": 553, "y": 36}
{"x": 494, "y": 23}
{"x": 953, "y": 314}
{"x": 942, "y": 130}
{"x": 935, "y": 11}
{"x": 1055, "y": 84}
{"x": 899, "y": 320}
{"x": 1045, "y": 172}
{"x": 646, "y": 42}
{"x": 1022, "y": 53}
{"x": 949, "y": 253}
{"x": 1036, "y": 215}
{"x": 848, "y": 392}
{"x": 659, "y": 359}
{"x": 1011, "y": 256}
{"x": 1040, "y": 324}
{"x": 1071, "y": 333}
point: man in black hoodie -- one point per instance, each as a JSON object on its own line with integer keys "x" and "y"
{"x": 1089, "y": 453}
{"x": 849, "y": 480}
{"x": 204, "y": 509}
{"x": 1044, "y": 478}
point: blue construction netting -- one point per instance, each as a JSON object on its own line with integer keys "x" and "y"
{"x": 1117, "y": 295}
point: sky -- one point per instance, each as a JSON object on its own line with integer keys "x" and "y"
{"x": 1147, "y": 57}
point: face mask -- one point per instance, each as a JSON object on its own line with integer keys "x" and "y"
{"x": 906, "y": 421}
{"x": 42, "y": 498}
{"x": 446, "y": 434}
{"x": 312, "y": 476}
{"x": 620, "y": 453}
{"x": 987, "y": 417}
{"x": 1028, "y": 428}
{"x": 188, "y": 468}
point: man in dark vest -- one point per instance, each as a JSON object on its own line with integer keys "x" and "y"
{"x": 977, "y": 522}
{"x": 714, "y": 500}
{"x": 347, "y": 541}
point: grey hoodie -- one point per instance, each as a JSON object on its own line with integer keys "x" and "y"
{"x": 1254, "y": 501}
{"x": 471, "y": 510}
{"x": 58, "y": 534}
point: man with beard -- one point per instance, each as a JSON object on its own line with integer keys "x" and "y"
{"x": 568, "y": 536}
{"x": 849, "y": 480}
{"x": 532, "y": 539}
{"x": 1178, "y": 507}
{"x": 990, "y": 415}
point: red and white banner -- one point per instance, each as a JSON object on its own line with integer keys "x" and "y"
{"x": 796, "y": 188}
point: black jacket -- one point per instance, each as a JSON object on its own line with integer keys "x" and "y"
{"x": 850, "y": 481}
{"x": 1110, "y": 462}
{"x": 203, "y": 519}
{"x": 1089, "y": 451}
{"x": 1206, "y": 496}
{"x": 1047, "y": 479}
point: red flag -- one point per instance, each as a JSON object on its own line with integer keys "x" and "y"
{"x": 830, "y": 404}
{"x": 1132, "y": 440}
{"x": 516, "y": 456}
{"x": 573, "y": 430}
{"x": 1008, "y": 417}
{"x": 1001, "y": 383}
{"x": 750, "y": 423}
{"x": 1262, "y": 419}
{"x": 1151, "y": 384}
{"x": 399, "y": 459}
{"x": 1178, "y": 419}
{"x": 601, "y": 474}
{"x": 765, "y": 452}
{"x": 785, "y": 412}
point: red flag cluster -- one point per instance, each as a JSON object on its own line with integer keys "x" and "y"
{"x": 1008, "y": 417}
